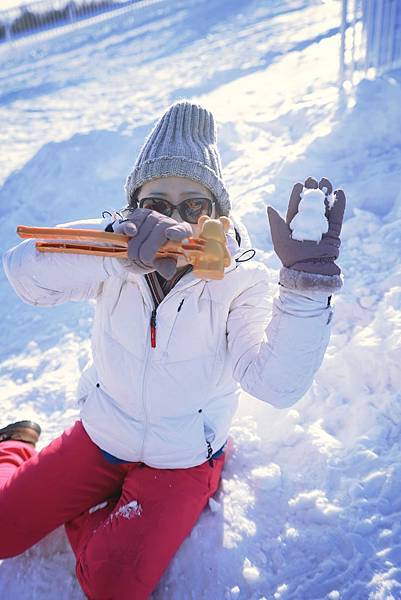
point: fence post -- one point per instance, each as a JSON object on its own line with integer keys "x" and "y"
{"x": 71, "y": 12}
{"x": 378, "y": 33}
{"x": 342, "y": 45}
{"x": 7, "y": 28}
{"x": 390, "y": 39}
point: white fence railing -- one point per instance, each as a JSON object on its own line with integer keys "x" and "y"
{"x": 370, "y": 37}
{"x": 44, "y": 15}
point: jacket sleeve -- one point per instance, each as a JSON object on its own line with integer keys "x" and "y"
{"x": 277, "y": 363}
{"x": 47, "y": 279}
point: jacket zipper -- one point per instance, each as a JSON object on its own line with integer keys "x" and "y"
{"x": 156, "y": 302}
{"x": 153, "y": 323}
{"x": 153, "y": 328}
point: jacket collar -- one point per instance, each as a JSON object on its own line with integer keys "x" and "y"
{"x": 187, "y": 281}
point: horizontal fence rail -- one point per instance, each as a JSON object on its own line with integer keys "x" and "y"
{"x": 43, "y": 15}
{"x": 370, "y": 37}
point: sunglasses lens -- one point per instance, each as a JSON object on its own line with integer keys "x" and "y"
{"x": 157, "y": 204}
{"x": 191, "y": 210}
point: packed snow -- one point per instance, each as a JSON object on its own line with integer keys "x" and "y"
{"x": 127, "y": 511}
{"x": 309, "y": 505}
{"x": 310, "y": 222}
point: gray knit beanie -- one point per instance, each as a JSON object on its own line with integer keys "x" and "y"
{"x": 182, "y": 144}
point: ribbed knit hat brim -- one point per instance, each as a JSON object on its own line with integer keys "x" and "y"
{"x": 182, "y": 144}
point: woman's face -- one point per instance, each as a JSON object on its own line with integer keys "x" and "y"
{"x": 176, "y": 190}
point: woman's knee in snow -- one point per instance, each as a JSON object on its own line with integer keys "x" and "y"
{"x": 109, "y": 580}
{"x": 113, "y": 569}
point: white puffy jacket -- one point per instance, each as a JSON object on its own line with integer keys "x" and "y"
{"x": 171, "y": 406}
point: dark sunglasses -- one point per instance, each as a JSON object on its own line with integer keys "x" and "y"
{"x": 189, "y": 210}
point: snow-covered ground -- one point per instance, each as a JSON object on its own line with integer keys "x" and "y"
{"x": 310, "y": 502}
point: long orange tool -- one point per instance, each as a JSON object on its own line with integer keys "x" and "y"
{"x": 208, "y": 256}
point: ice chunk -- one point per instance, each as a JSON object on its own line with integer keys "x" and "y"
{"x": 250, "y": 572}
{"x": 129, "y": 510}
{"x": 269, "y": 477}
{"x": 98, "y": 507}
{"x": 214, "y": 506}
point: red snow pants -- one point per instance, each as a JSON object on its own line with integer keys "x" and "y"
{"x": 123, "y": 547}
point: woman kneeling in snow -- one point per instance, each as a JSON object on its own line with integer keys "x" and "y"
{"x": 170, "y": 354}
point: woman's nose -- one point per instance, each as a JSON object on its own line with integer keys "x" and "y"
{"x": 176, "y": 215}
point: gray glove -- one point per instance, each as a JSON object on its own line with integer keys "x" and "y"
{"x": 309, "y": 265}
{"x": 149, "y": 230}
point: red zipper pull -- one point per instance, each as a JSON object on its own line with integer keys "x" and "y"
{"x": 153, "y": 329}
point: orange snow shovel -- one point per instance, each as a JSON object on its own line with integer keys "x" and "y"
{"x": 208, "y": 256}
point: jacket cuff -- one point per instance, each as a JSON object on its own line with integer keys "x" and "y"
{"x": 301, "y": 280}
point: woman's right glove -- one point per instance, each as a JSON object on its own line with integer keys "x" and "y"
{"x": 149, "y": 230}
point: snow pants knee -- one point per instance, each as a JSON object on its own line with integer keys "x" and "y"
{"x": 124, "y": 521}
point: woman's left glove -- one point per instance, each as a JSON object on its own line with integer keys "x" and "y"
{"x": 148, "y": 231}
{"x": 308, "y": 265}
